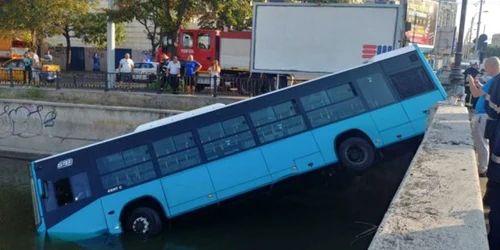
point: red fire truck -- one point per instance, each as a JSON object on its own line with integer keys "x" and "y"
{"x": 231, "y": 49}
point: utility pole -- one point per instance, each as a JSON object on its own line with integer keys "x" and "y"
{"x": 478, "y": 27}
{"x": 456, "y": 77}
{"x": 110, "y": 44}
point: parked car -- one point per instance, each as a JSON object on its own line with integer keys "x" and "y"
{"x": 143, "y": 72}
{"x": 48, "y": 72}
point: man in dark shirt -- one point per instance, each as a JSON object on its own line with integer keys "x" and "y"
{"x": 473, "y": 71}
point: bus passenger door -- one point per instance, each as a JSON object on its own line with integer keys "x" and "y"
{"x": 387, "y": 113}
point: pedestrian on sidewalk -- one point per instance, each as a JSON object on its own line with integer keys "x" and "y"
{"x": 214, "y": 71}
{"x": 191, "y": 68}
{"x": 125, "y": 70}
{"x": 28, "y": 71}
{"x": 492, "y": 196}
{"x": 481, "y": 144}
{"x": 174, "y": 72}
{"x": 163, "y": 73}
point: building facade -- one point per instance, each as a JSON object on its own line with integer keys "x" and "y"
{"x": 447, "y": 14}
{"x": 495, "y": 40}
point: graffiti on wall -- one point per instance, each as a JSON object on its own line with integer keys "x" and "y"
{"x": 25, "y": 120}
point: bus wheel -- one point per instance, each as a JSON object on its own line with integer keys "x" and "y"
{"x": 356, "y": 154}
{"x": 145, "y": 220}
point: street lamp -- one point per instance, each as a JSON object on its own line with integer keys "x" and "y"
{"x": 456, "y": 76}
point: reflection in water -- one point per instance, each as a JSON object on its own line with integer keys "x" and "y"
{"x": 309, "y": 214}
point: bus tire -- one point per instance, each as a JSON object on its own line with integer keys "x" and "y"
{"x": 356, "y": 154}
{"x": 145, "y": 221}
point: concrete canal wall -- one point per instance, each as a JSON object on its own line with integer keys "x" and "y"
{"x": 44, "y": 128}
{"x": 438, "y": 204}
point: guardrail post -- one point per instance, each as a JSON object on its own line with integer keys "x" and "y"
{"x": 74, "y": 79}
{"x": 215, "y": 85}
{"x": 107, "y": 83}
{"x": 58, "y": 80}
{"x": 11, "y": 78}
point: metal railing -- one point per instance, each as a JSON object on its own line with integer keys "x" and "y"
{"x": 241, "y": 85}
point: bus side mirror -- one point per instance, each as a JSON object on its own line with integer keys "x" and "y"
{"x": 42, "y": 187}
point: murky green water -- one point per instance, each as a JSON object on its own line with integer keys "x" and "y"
{"x": 317, "y": 217}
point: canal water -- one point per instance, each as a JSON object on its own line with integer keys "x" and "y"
{"x": 310, "y": 213}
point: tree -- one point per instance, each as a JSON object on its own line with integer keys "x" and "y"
{"x": 492, "y": 51}
{"x": 40, "y": 18}
{"x": 156, "y": 16}
{"x": 231, "y": 14}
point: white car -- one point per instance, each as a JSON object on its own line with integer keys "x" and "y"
{"x": 144, "y": 71}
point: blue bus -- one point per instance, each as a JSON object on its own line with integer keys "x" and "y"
{"x": 138, "y": 181}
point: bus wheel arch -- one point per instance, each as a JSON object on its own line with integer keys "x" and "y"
{"x": 143, "y": 215}
{"x": 355, "y": 142}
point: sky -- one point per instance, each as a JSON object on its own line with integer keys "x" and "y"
{"x": 488, "y": 19}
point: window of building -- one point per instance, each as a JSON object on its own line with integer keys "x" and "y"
{"x": 412, "y": 82}
{"x": 225, "y": 138}
{"x": 375, "y": 90}
{"x": 187, "y": 40}
{"x": 177, "y": 153}
{"x": 67, "y": 190}
{"x": 203, "y": 41}
{"x": 126, "y": 168}
{"x": 277, "y": 122}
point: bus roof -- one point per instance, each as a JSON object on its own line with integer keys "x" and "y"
{"x": 214, "y": 107}
{"x": 178, "y": 117}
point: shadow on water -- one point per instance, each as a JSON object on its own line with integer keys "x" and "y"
{"x": 307, "y": 212}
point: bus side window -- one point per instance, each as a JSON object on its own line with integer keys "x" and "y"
{"x": 286, "y": 119}
{"x": 71, "y": 189}
{"x": 375, "y": 90}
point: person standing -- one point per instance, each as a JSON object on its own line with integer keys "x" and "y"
{"x": 35, "y": 67}
{"x": 473, "y": 71}
{"x": 27, "y": 73}
{"x": 479, "y": 121}
{"x": 125, "y": 70}
{"x": 492, "y": 196}
{"x": 191, "y": 67}
{"x": 174, "y": 72}
{"x": 163, "y": 72}
{"x": 214, "y": 72}
{"x": 96, "y": 63}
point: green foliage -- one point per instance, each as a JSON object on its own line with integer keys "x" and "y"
{"x": 156, "y": 16}
{"x": 235, "y": 15}
{"x": 93, "y": 27}
{"x": 493, "y": 51}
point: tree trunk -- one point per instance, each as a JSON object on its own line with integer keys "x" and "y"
{"x": 173, "y": 35}
{"x": 68, "y": 51}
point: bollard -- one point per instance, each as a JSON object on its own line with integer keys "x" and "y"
{"x": 74, "y": 80}
{"x": 11, "y": 78}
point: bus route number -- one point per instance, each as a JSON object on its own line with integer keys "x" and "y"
{"x": 111, "y": 190}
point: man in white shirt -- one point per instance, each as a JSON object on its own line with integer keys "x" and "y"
{"x": 125, "y": 69}
{"x": 174, "y": 72}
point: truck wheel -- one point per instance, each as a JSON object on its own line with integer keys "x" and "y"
{"x": 356, "y": 154}
{"x": 144, "y": 221}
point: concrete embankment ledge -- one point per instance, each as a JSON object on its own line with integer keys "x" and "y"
{"x": 438, "y": 204}
{"x": 117, "y": 98}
